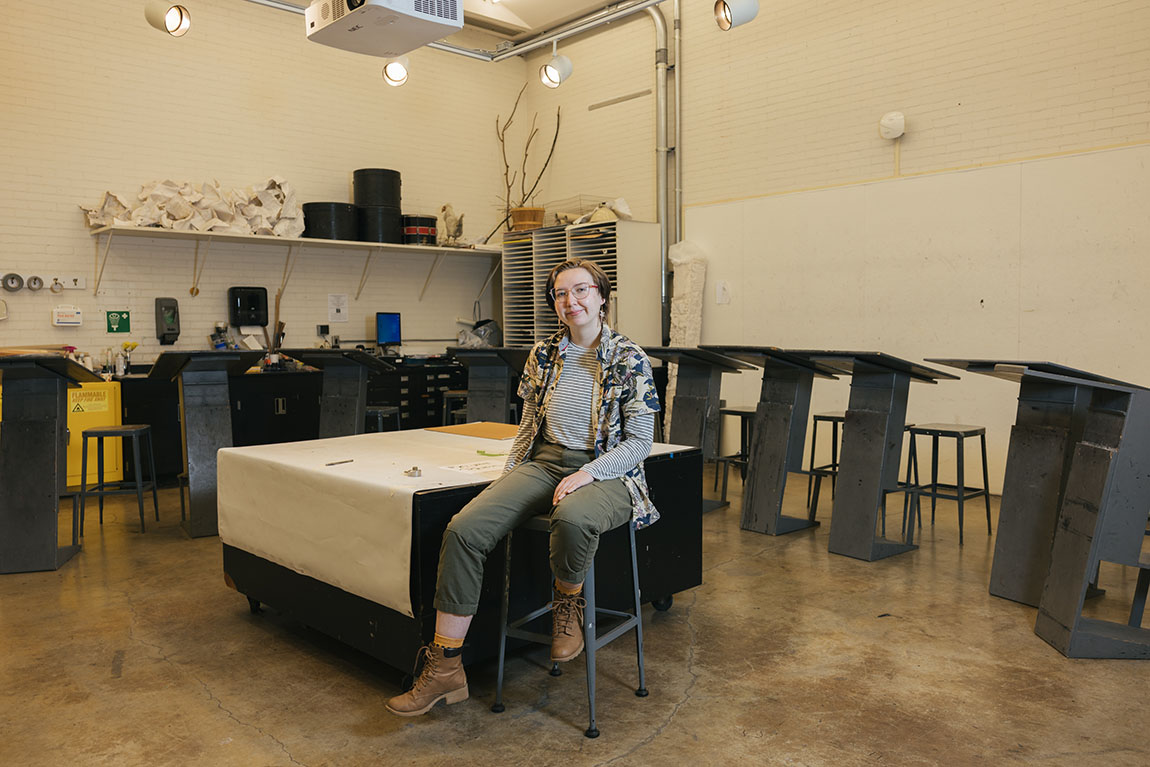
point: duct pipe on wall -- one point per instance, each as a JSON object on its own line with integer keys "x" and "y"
{"x": 661, "y": 197}
{"x": 677, "y": 232}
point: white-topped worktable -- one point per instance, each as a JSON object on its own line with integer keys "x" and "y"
{"x": 346, "y": 511}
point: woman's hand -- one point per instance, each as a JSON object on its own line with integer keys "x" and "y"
{"x": 570, "y": 484}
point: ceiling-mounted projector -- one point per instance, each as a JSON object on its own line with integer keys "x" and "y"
{"x": 382, "y": 27}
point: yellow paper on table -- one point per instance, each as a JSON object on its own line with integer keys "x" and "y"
{"x": 484, "y": 429}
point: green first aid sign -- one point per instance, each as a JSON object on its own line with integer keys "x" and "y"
{"x": 119, "y": 322}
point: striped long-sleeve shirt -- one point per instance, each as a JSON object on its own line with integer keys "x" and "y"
{"x": 568, "y": 421}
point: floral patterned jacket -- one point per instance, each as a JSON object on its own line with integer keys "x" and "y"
{"x": 625, "y": 388}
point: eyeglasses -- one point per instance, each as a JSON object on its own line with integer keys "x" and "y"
{"x": 579, "y": 291}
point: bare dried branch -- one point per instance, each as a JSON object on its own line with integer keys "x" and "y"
{"x": 546, "y": 162}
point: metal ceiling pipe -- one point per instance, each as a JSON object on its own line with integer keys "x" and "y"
{"x": 661, "y": 197}
{"x": 585, "y": 24}
{"x": 678, "y": 21}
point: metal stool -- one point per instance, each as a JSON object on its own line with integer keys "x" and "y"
{"x": 374, "y": 418}
{"x": 832, "y": 469}
{"x": 135, "y": 432}
{"x": 960, "y": 433}
{"x": 450, "y": 396}
{"x": 592, "y": 639}
{"x": 746, "y": 421}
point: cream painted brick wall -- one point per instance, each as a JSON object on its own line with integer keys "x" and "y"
{"x": 792, "y": 100}
{"x": 106, "y": 102}
{"x": 609, "y": 150}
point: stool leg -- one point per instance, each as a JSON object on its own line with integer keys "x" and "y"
{"x": 642, "y": 689}
{"x": 814, "y": 505}
{"x": 139, "y": 477}
{"x": 961, "y": 442}
{"x": 834, "y": 455}
{"x": 152, "y": 469}
{"x": 933, "y": 475}
{"x": 985, "y": 482}
{"x": 180, "y": 487}
{"x": 917, "y": 479}
{"x": 811, "y": 462}
{"x": 83, "y": 478}
{"x": 1139, "y": 604}
{"x": 100, "y": 475}
{"x": 590, "y": 640}
{"x": 726, "y": 475}
{"x": 498, "y": 706}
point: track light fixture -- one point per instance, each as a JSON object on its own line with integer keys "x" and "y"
{"x": 732, "y": 13}
{"x": 395, "y": 71}
{"x": 556, "y": 70}
{"x": 168, "y": 17}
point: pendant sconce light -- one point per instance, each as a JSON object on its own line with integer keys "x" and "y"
{"x": 732, "y": 13}
{"x": 395, "y": 71}
{"x": 558, "y": 69}
{"x": 168, "y": 17}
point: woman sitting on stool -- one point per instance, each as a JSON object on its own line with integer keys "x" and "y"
{"x": 589, "y": 407}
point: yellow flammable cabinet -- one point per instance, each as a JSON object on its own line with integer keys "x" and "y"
{"x": 93, "y": 404}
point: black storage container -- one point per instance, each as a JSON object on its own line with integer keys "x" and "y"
{"x": 378, "y": 223}
{"x": 376, "y": 187}
{"x": 330, "y": 221}
{"x": 419, "y": 230}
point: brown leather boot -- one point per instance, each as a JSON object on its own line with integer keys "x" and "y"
{"x": 442, "y": 677}
{"x": 567, "y": 626}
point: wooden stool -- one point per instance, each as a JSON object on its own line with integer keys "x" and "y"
{"x": 135, "y": 433}
{"x": 592, "y": 638}
{"x": 960, "y": 433}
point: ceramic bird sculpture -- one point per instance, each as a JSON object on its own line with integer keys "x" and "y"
{"x": 452, "y": 224}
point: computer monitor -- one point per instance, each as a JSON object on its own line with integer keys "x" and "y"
{"x": 387, "y": 329}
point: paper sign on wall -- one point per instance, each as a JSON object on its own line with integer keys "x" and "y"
{"x": 337, "y": 307}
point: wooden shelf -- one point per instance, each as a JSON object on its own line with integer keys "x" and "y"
{"x": 153, "y": 231}
{"x": 293, "y": 243}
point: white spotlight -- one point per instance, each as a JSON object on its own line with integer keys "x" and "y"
{"x": 395, "y": 71}
{"x": 556, "y": 70}
{"x": 168, "y": 17}
{"x": 732, "y": 13}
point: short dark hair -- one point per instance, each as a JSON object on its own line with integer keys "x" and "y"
{"x": 602, "y": 281}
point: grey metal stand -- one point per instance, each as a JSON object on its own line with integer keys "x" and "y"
{"x": 871, "y": 449}
{"x": 343, "y": 404}
{"x": 205, "y": 423}
{"x": 34, "y": 460}
{"x": 1053, "y": 401}
{"x": 490, "y": 375}
{"x": 695, "y": 410}
{"x": 779, "y": 434}
{"x": 1102, "y": 518}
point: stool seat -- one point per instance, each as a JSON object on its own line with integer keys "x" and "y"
{"x": 124, "y": 430}
{"x": 837, "y": 416}
{"x": 948, "y": 429}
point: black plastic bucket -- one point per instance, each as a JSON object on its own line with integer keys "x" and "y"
{"x": 330, "y": 221}
{"x": 379, "y": 224}
{"x": 376, "y": 187}
{"x": 419, "y": 230}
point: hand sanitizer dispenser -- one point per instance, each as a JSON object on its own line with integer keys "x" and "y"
{"x": 167, "y": 320}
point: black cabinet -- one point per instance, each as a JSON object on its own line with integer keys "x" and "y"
{"x": 275, "y": 407}
{"x": 156, "y": 403}
{"x": 416, "y": 387}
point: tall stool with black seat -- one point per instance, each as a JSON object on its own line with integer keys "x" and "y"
{"x": 593, "y": 639}
{"x": 961, "y": 492}
{"x": 136, "y": 433}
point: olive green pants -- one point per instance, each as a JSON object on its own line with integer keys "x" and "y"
{"x": 526, "y": 491}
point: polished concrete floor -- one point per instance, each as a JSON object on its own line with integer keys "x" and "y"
{"x": 135, "y": 653}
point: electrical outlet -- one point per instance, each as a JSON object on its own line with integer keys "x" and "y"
{"x": 69, "y": 282}
{"x": 321, "y": 330}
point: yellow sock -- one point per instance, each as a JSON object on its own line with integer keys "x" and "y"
{"x": 568, "y": 592}
{"x": 451, "y": 643}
